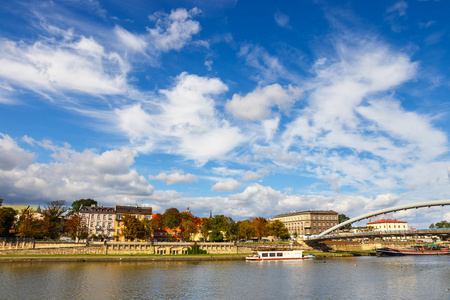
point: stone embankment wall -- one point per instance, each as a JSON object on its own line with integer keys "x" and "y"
{"x": 117, "y": 248}
{"x": 16, "y": 243}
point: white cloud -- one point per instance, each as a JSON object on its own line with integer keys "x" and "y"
{"x": 282, "y": 20}
{"x": 394, "y": 13}
{"x": 251, "y": 175}
{"x": 257, "y": 105}
{"x": 52, "y": 65}
{"x": 12, "y": 156}
{"x": 269, "y": 69}
{"x": 226, "y": 185}
{"x": 175, "y": 177}
{"x": 399, "y": 7}
{"x": 107, "y": 177}
{"x": 185, "y": 121}
{"x": 173, "y": 31}
{"x": 131, "y": 41}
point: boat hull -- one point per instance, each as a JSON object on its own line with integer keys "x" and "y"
{"x": 402, "y": 252}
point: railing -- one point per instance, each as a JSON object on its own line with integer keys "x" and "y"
{"x": 436, "y": 231}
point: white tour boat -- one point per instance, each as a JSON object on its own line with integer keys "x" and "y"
{"x": 276, "y": 254}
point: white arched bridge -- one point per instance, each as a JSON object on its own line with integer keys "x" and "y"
{"x": 324, "y": 234}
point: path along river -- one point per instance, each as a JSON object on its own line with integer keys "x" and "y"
{"x": 344, "y": 278}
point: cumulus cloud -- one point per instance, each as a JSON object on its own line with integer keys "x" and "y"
{"x": 174, "y": 30}
{"x": 175, "y": 177}
{"x": 107, "y": 177}
{"x": 171, "y": 32}
{"x": 185, "y": 122}
{"x": 251, "y": 175}
{"x": 12, "y": 156}
{"x": 257, "y": 105}
{"x": 226, "y": 185}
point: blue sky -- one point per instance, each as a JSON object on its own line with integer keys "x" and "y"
{"x": 242, "y": 108}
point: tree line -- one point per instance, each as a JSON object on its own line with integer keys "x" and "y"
{"x": 181, "y": 225}
{"x": 185, "y": 226}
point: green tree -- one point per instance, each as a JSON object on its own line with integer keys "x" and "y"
{"x": 442, "y": 224}
{"x": 76, "y": 228}
{"x": 245, "y": 229}
{"x": 76, "y": 205}
{"x": 28, "y": 225}
{"x": 220, "y": 223}
{"x": 171, "y": 218}
{"x": 342, "y": 218}
{"x": 278, "y": 229}
{"x": 52, "y": 222}
{"x": 148, "y": 228}
{"x": 216, "y": 236}
{"x": 7, "y": 218}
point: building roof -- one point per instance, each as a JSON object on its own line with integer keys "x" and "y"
{"x": 296, "y": 213}
{"x": 133, "y": 210}
{"x": 96, "y": 209}
{"x": 386, "y": 221}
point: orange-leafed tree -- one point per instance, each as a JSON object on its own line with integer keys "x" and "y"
{"x": 260, "y": 225}
{"x": 76, "y": 228}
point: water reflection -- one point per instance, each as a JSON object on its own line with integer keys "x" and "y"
{"x": 349, "y": 278}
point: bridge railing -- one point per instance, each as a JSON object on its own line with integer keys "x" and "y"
{"x": 379, "y": 232}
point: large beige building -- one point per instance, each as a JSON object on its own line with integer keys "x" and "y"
{"x": 99, "y": 219}
{"x": 310, "y": 222}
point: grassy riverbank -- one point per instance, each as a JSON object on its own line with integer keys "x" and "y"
{"x": 151, "y": 257}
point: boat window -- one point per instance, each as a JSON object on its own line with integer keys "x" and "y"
{"x": 264, "y": 254}
{"x": 272, "y": 254}
{"x": 280, "y": 254}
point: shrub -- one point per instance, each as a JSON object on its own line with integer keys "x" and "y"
{"x": 195, "y": 249}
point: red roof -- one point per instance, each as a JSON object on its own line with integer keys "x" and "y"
{"x": 387, "y": 221}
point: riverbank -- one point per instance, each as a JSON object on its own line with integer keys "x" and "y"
{"x": 126, "y": 258}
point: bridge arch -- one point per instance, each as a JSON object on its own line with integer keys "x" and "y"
{"x": 387, "y": 210}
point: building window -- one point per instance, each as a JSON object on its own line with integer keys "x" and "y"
{"x": 109, "y": 217}
{"x": 118, "y": 223}
{"x": 104, "y": 217}
{"x": 83, "y": 215}
{"x": 119, "y": 217}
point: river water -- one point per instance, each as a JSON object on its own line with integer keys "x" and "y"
{"x": 345, "y": 278}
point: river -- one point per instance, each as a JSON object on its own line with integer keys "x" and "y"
{"x": 345, "y": 278}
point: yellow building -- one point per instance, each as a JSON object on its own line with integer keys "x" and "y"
{"x": 310, "y": 222}
{"x": 137, "y": 211}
